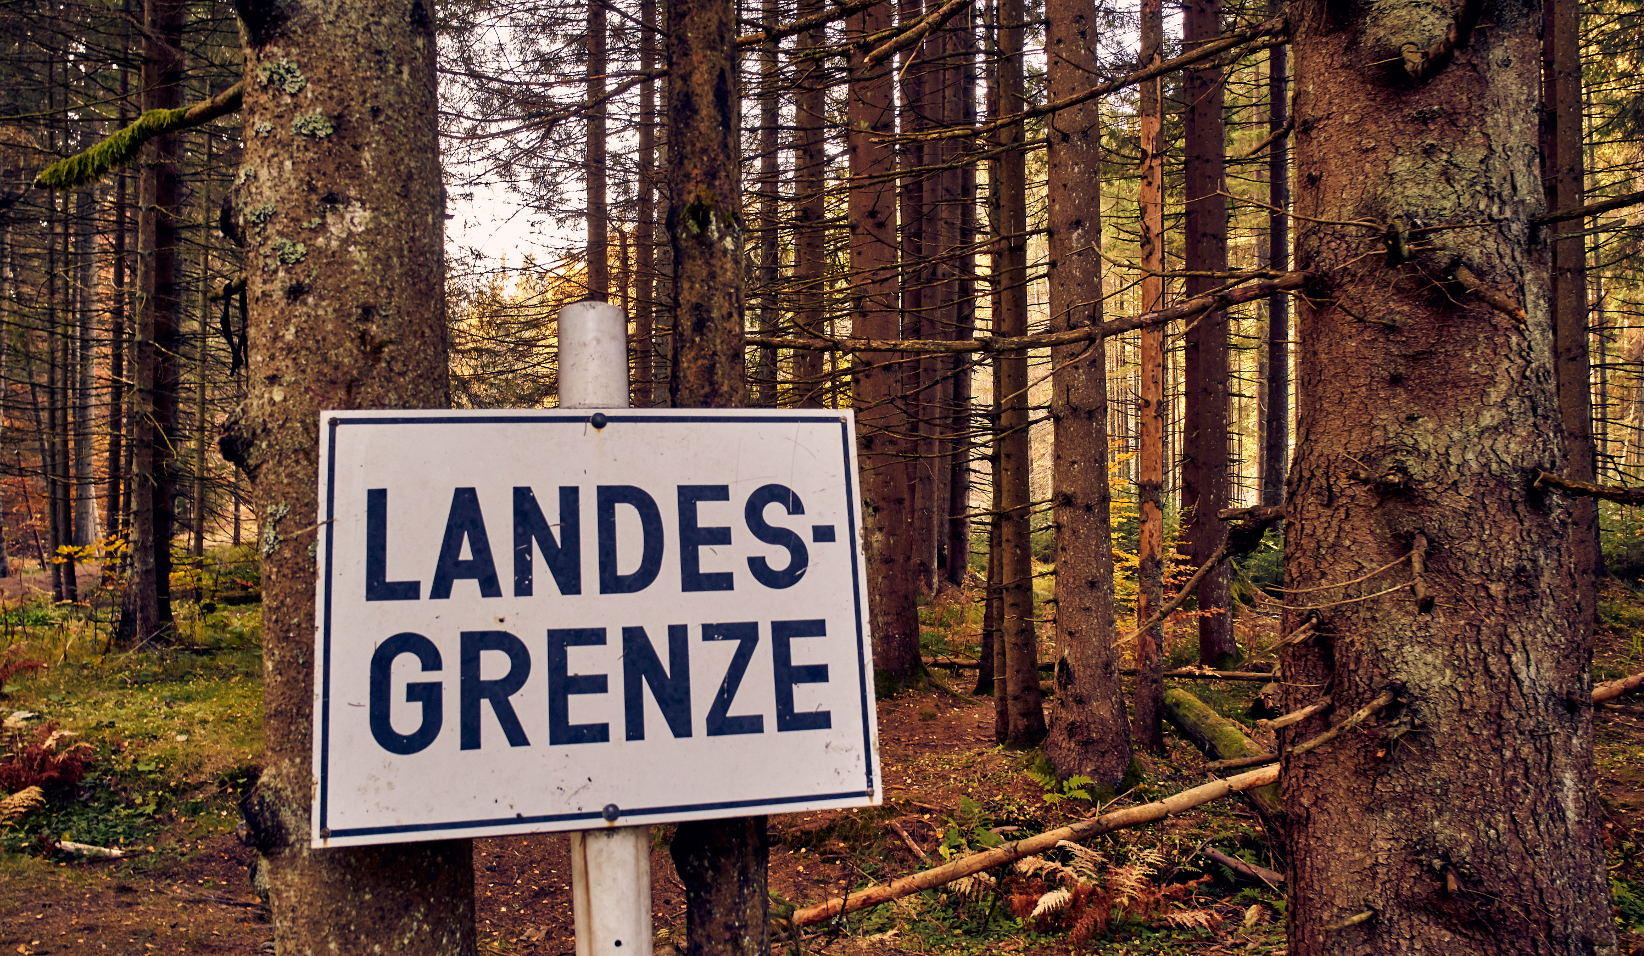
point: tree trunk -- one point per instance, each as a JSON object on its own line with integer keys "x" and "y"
{"x": 1089, "y": 732}
{"x": 1462, "y": 818}
{"x": 917, "y": 372}
{"x": 810, "y": 234}
{"x": 1021, "y": 641}
{"x": 7, "y": 284}
{"x": 1275, "y": 449}
{"x": 721, "y": 862}
{"x": 201, "y": 423}
{"x": 346, "y": 315}
{"x": 1150, "y": 405}
{"x": 146, "y": 612}
{"x": 85, "y": 240}
{"x": 114, "y": 521}
{"x": 598, "y": 247}
{"x": 769, "y": 183}
{"x": 645, "y": 229}
{"x": 961, "y": 264}
{"x": 1564, "y": 169}
{"x": 1205, "y": 446}
{"x": 48, "y": 425}
{"x": 893, "y": 620}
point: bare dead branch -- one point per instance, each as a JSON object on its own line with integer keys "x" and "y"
{"x": 1359, "y": 716}
{"x": 1591, "y": 209}
{"x": 1621, "y": 494}
{"x": 1011, "y": 852}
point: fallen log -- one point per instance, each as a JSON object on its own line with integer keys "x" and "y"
{"x": 1011, "y": 852}
{"x": 1610, "y": 690}
{"x": 1221, "y": 739}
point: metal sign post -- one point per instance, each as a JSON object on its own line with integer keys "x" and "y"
{"x": 611, "y": 867}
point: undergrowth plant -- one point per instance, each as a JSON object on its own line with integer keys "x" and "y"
{"x": 33, "y": 760}
{"x": 12, "y": 666}
{"x": 1076, "y": 787}
{"x": 20, "y": 803}
{"x": 1089, "y": 896}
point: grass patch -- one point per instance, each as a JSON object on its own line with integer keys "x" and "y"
{"x": 175, "y": 733}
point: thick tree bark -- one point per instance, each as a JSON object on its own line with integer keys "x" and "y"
{"x": 721, "y": 862}
{"x": 1275, "y": 450}
{"x": 1025, "y": 704}
{"x": 346, "y": 297}
{"x": 1089, "y": 731}
{"x": 7, "y": 284}
{"x": 894, "y": 621}
{"x": 1205, "y": 431}
{"x": 1150, "y": 405}
{"x": 1463, "y": 817}
{"x": 704, "y": 217}
{"x": 146, "y": 612}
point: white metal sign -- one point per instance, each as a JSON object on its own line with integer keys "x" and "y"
{"x": 557, "y": 620}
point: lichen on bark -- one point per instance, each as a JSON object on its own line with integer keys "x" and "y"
{"x": 361, "y": 327}
{"x": 1465, "y": 819}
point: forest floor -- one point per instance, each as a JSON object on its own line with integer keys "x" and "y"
{"x": 174, "y": 738}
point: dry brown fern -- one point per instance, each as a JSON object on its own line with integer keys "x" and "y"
{"x": 37, "y": 762}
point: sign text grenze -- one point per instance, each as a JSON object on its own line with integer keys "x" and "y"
{"x": 559, "y": 620}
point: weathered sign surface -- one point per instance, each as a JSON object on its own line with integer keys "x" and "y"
{"x": 559, "y": 620}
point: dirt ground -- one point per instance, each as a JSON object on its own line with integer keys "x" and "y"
{"x": 189, "y": 892}
{"x": 193, "y": 896}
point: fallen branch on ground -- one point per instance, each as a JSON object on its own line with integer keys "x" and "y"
{"x": 1011, "y": 852}
{"x": 89, "y": 852}
{"x": 1221, "y": 739}
{"x": 1249, "y": 870}
{"x": 1239, "y": 763}
{"x": 917, "y": 851}
{"x": 1613, "y": 689}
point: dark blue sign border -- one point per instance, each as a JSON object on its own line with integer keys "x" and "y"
{"x": 329, "y": 522}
